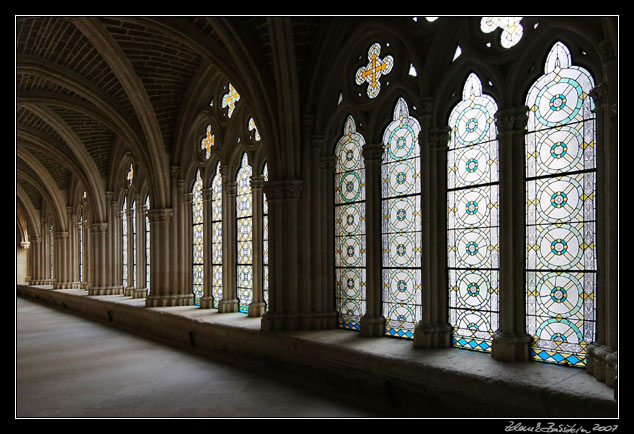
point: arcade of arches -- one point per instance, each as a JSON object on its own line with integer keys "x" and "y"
{"x": 446, "y": 182}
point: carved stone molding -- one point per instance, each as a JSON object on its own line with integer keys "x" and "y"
{"x": 97, "y": 228}
{"x": 289, "y": 189}
{"x": 208, "y": 194}
{"x": 439, "y": 138}
{"x": 256, "y": 182}
{"x": 164, "y": 214}
{"x": 425, "y": 105}
{"x": 513, "y": 119}
{"x": 599, "y": 95}
{"x": 372, "y": 152}
{"x": 230, "y": 187}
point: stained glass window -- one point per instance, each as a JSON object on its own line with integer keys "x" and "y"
{"x": 254, "y": 128}
{"x": 372, "y": 72}
{"x": 265, "y": 240}
{"x": 124, "y": 242}
{"x": 401, "y": 223}
{"x": 130, "y": 175}
{"x": 147, "y": 244}
{"x": 197, "y": 239}
{"x": 560, "y": 212}
{"x": 244, "y": 215}
{"x": 230, "y": 99}
{"x": 216, "y": 236}
{"x": 350, "y": 241}
{"x": 472, "y": 219}
{"x": 51, "y": 251}
{"x": 512, "y": 30}
{"x": 207, "y": 142}
{"x": 82, "y": 250}
{"x": 133, "y": 241}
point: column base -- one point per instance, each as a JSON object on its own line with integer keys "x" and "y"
{"x": 511, "y": 347}
{"x": 169, "y": 300}
{"x": 109, "y": 290}
{"x": 372, "y": 326}
{"x": 229, "y": 306}
{"x": 139, "y": 292}
{"x": 256, "y": 309}
{"x": 128, "y": 291}
{"x": 601, "y": 363}
{"x": 432, "y": 336}
{"x": 207, "y": 302}
{"x": 298, "y": 321}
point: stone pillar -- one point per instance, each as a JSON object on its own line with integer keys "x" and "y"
{"x": 98, "y": 260}
{"x": 207, "y": 300}
{"x": 129, "y": 285}
{"x": 229, "y": 302}
{"x": 434, "y": 330}
{"x": 162, "y": 294}
{"x": 601, "y": 361}
{"x": 182, "y": 279}
{"x": 61, "y": 260}
{"x": 34, "y": 262}
{"x": 256, "y": 307}
{"x": 326, "y": 216}
{"x": 511, "y": 342}
{"x": 140, "y": 291}
{"x": 373, "y": 322}
{"x": 114, "y": 264}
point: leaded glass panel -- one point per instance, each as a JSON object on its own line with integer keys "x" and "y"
{"x": 133, "y": 241}
{"x": 244, "y": 227}
{"x": 124, "y": 243}
{"x": 560, "y": 212}
{"x": 216, "y": 237}
{"x": 472, "y": 219}
{"x": 197, "y": 239}
{"x": 349, "y": 183}
{"x": 401, "y": 224}
{"x": 147, "y": 245}
{"x": 265, "y": 241}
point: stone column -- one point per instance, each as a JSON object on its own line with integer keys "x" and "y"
{"x": 511, "y": 342}
{"x": 207, "y": 300}
{"x": 60, "y": 260}
{"x": 602, "y": 355}
{"x": 160, "y": 274}
{"x": 434, "y": 330}
{"x": 140, "y": 290}
{"x": 129, "y": 285}
{"x": 256, "y": 307}
{"x": 98, "y": 260}
{"x": 373, "y": 322}
{"x": 326, "y": 216}
{"x": 229, "y": 302}
{"x": 182, "y": 278}
{"x": 34, "y": 260}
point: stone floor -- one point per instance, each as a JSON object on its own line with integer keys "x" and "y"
{"x": 71, "y": 367}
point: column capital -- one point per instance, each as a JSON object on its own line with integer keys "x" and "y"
{"x": 439, "y": 138}
{"x": 187, "y": 197}
{"x": 208, "y": 194}
{"x": 257, "y": 181}
{"x": 286, "y": 189}
{"x": 425, "y": 105}
{"x": 164, "y": 214}
{"x": 512, "y": 119}
{"x": 97, "y": 228}
{"x": 372, "y": 151}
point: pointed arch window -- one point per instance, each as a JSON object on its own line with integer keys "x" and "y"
{"x": 230, "y": 99}
{"x": 472, "y": 219}
{"x": 401, "y": 223}
{"x": 216, "y": 236}
{"x": 350, "y": 241}
{"x": 197, "y": 239}
{"x": 124, "y": 242}
{"x": 133, "y": 241}
{"x": 147, "y": 244}
{"x": 560, "y": 212}
{"x": 244, "y": 227}
{"x": 207, "y": 142}
{"x": 265, "y": 240}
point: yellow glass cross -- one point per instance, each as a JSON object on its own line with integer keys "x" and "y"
{"x": 207, "y": 142}
{"x": 229, "y": 99}
{"x": 374, "y": 69}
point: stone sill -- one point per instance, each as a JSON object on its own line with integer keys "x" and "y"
{"x": 391, "y": 372}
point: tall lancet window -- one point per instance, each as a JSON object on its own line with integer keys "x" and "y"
{"x": 216, "y": 236}
{"x": 350, "y": 241}
{"x": 133, "y": 241}
{"x": 560, "y": 213}
{"x": 401, "y": 223}
{"x": 265, "y": 240}
{"x": 124, "y": 242}
{"x": 197, "y": 239}
{"x": 147, "y": 244}
{"x": 244, "y": 215}
{"x": 472, "y": 219}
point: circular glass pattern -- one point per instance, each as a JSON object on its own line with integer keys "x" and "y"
{"x": 472, "y": 165}
{"x": 402, "y": 283}
{"x": 401, "y": 178}
{"x": 350, "y": 186}
{"x": 559, "y": 294}
{"x": 350, "y": 253}
{"x": 474, "y": 289}
{"x": 559, "y": 247}
{"x": 560, "y": 150}
{"x": 473, "y": 248}
{"x": 559, "y": 102}
{"x": 401, "y": 142}
{"x": 351, "y": 283}
{"x": 473, "y": 124}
